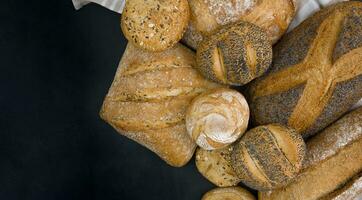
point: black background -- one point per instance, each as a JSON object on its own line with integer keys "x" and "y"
{"x": 56, "y": 67}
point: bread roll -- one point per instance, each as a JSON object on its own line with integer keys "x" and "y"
{"x": 316, "y": 74}
{"x": 216, "y": 167}
{"x": 231, "y": 193}
{"x": 235, "y": 54}
{"x": 217, "y": 118}
{"x": 148, "y": 99}
{"x": 155, "y": 25}
{"x": 268, "y": 157}
{"x": 208, "y": 15}
{"x": 334, "y": 156}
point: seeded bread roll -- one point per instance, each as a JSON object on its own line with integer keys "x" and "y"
{"x": 155, "y": 25}
{"x": 215, "y": 166}
{"x": 268, "y": 157}
{"x": 316, "y": 74}
{"x": 217, "y": 118}
{"x": 231, "y": 193}
{"x": 148, "y": 99}
{"x": 208, "y": 15}
{"x": 334, "y": 156}
{"x": 235, "y": 54}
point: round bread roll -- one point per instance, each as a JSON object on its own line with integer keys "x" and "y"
{"x": 217, "y": 118}
{"x": 268, "y": 157}
{"x": 155, "y": 25}
{"x": 215, "y": 166}
{"x": 235, "y": 54}
{"x": 208, "y": 15}
{"x": 229, "y": 193}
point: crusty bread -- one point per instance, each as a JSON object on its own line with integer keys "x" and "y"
{"x": 148, "y": 99}
{"x": 215, "y": 166}
{"x": 268, "y": 157}
{"x": 208, "y": 15}
{"x": 229, "y": 193}
{"x": 316, "y": 74}
{"x": 350, "y": 191}
{"x": 217, "y": 118}
{"x": 155, "y": 25}
{"x": 334, "y": 156}
{"x": 235, "y": 54}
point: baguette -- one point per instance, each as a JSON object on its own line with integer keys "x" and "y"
{"x": 334, "y": 156}
{"x": 231, "y": 193}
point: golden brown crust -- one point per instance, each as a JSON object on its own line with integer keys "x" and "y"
{"x": 350, "y": 191}
{"x": 155, "y": 25}
{"x": 329, "y": 165}
{"x": 217, "y": 118}
{"x": 208, "y": 15}
{"x": 148, "y": 99}
{"x": 215, "y": 166}
{"x": 268, "y": 157}
{"x": 314, "y": 67}
{"x": 235, "y": 54}
{"x": 229, "y": 193}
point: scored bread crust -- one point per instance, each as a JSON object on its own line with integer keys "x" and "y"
{"x": 215, "y": 166}
{"x": 148, "y": 99}
{"x": 334, "y": 157}
{"x": 217, "y": 118}
{"x": 155, "y": 25}
{"x": 208, "y": 15}
{"x": 231, "y": 193}
{"x": 316, "y": 73}
{"x": 268, "y": 157}
{"x": 235, "y": 54}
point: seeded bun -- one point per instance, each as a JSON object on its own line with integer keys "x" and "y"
{"x": 155, "y": 25}
{"x": 235, "y": 54}
{"x": 268, "y": 157}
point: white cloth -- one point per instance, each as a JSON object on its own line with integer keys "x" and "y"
{"x": 115, "y": 5}
{"x": 307, "y": 8}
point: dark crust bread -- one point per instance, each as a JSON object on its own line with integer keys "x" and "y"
{"x": 231, "y": 41}
{"x": 292, "y": 50}
{"x": 276, "y": 156}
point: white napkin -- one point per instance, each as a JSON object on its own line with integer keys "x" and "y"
{"x": 308, "y": 7}
{"x": 115, "y": 5}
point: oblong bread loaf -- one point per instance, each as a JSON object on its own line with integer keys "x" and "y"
{"x": 229, "y": 193}
{"x": 334, "y": 156}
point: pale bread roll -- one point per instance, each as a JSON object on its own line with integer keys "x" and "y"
{"x": 208, "y": 15}
{"x": 217, "y": 118}
{"x": 229, "y": 193}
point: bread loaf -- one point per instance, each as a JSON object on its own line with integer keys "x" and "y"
{"x": 235, "y": 54}
{"x": 230, "y": 193}
{"x": 217, "y": 118}
{"x": 350, "y": 191}
{"x": 148, "y": 99}
{"x": 334, "y": 156}
{"x": 316, "y": 74}
{"x": 268, "y": 157}
{"x": 216, "y": 167}
{"x": 208, "y": 15}
{"x": 155, "y": 25}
